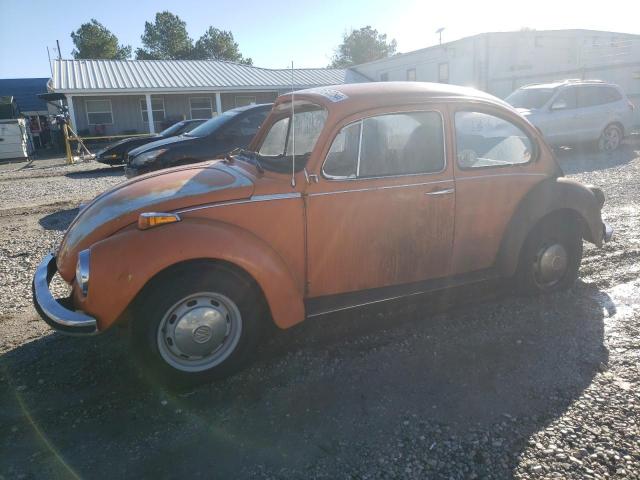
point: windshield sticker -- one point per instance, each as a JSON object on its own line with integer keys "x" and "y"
{"x": 330, "y": 94}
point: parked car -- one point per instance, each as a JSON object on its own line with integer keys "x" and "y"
{"x": 577, "y": 111}
{"x": 395, "y": 189}
{"x": 233, "y": 129}
{"x": 115, "y": 153}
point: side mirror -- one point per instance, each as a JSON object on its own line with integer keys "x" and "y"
{"x": 559, "y": 105}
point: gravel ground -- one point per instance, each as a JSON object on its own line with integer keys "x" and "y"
{"x": 476, "y": 383}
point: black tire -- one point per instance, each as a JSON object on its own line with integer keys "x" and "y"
{"x": 556, "y": 230}
{"x": 173, "y": 287}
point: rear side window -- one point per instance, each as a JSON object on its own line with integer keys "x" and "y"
{"x": 485, "y": 140}
{"x": 388, "y": 145}
{"x": 592, "y": 95}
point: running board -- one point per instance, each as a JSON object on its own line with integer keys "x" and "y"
{"x": 328, "y": 304}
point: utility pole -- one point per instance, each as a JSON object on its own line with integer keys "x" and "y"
{"x": 59, "y": 52}
{"x": 439, "y": 32}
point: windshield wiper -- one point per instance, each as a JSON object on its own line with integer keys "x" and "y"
{"x": 249, "y": 155}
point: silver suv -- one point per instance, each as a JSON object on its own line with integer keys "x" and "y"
{"x": 576, "y": 111}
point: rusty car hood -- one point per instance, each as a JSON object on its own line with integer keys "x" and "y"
{"x": 162, "y": 191}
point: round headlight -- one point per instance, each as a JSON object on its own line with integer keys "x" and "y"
{"x": 82, "y": 271}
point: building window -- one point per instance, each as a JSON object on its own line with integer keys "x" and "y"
{"x": 201, "y": 107}
{"x": 242, "y": 101}
{"x": 384, "y": 77}
{"x": 99, "y": 112}
{"x": 411, "y": 75}
{"x": 157, "y": 107}
{"x": 443, "y": 73}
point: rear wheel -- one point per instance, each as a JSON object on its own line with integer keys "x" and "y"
{"x": 551, "y": 256}
{"x": 197, "y": 324}
{"x": 610, "y": 139}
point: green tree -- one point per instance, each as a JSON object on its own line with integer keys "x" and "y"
{"x": 94, "y": 40}
{"x": 165, "y": 39}
{"x": 218, "y": 45}
{"x": 362, "y": 45}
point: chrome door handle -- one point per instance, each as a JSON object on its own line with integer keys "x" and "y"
{"x": 446, "y": 191}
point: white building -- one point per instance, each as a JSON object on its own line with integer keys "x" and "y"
{"x": 501, "y": 62}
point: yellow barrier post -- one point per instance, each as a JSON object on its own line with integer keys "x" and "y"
{"x": 67, "y": 144}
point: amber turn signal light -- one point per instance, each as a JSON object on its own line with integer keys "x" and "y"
{"x": 149, "y": 220}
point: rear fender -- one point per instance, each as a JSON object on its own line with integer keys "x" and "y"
{"x": 554, "y": 195}
{"x": 122, "y": 265}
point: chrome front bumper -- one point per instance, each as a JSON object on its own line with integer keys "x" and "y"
{"x": 51, "y": 310}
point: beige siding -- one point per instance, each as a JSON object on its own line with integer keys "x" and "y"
{"x": 127, "y": 112}
{"x": 229, "y": 100}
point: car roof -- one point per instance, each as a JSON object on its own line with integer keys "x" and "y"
{"x": 360, "y": 96}
{"x": 561, "y": 83}
{"x": 254, "y": 106}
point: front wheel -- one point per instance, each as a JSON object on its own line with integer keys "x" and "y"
{"x": 197, "y": 323}
{"x": 550, "y": 258}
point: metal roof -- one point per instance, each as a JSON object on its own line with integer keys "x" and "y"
{"x": 103, "y": 76}
{"x": 24, "y": 91}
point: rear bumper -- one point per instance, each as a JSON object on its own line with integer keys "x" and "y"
{"x": 54, "y": 312}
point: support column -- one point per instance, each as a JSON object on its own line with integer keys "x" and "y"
{"x": 218, "y": 103}
{"x": 72, "y": 113}
{"x": 152, "y": 126}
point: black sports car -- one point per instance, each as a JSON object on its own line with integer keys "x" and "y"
{"x": 217, "y": 136}
{"x": 115, "y": 153}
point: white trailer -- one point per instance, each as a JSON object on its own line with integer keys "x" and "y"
{"x": 15, "y": 141}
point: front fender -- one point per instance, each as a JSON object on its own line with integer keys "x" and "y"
{"x": 122, "y": 265}
{"x": 551, "y": 195}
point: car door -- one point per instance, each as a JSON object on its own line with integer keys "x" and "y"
{"x": 592, "y": 111}
{"x": 494, "y": 169}
{"x": 382, "y": 211}
{"x": 560, "y": 126}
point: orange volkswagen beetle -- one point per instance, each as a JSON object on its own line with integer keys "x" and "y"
{"x": 347, "y": 196}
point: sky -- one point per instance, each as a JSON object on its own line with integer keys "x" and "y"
{"x": 275, "y": 33}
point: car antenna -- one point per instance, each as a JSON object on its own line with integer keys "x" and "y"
{"x": 293, "y": 133}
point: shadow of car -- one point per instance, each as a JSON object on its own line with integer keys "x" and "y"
{"x": 499, "y": 369}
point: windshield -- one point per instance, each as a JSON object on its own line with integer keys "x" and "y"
{"x": 530, "y": 97}
{"x": 210, "y": 126}
{"x": 277, "y": 149}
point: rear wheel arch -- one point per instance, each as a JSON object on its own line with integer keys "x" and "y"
{"x": 560, "y": 198}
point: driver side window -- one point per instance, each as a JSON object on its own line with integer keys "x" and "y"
{"x": 484, "y": 140}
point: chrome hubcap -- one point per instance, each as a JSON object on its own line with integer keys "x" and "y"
{"x": 550, "y": 265}
{"x": 199, "y": 332}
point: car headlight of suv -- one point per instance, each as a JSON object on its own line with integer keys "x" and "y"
{"x": 147, "y": 157}
{"x": 82, "y": 271}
